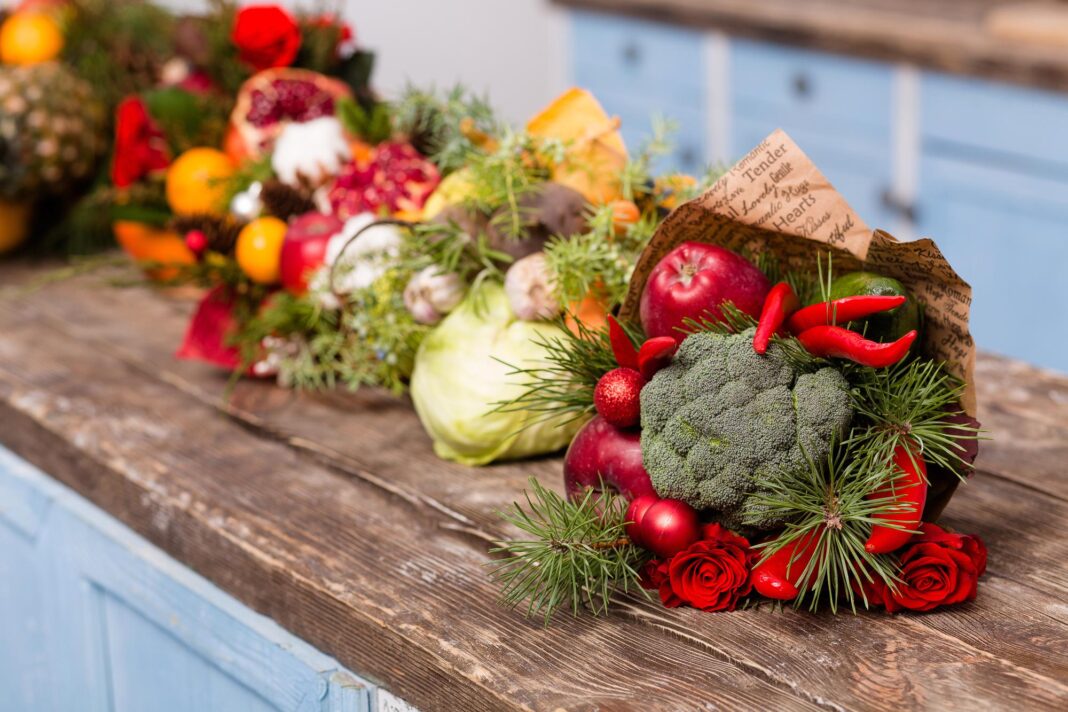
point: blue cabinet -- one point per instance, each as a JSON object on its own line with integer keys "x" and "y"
{"x": 93, "y": 618}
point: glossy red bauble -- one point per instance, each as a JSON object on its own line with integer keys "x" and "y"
{"x": 692, "y": 281}
{"x": 601, "y": 451}
{"x": 617, "y": 397}
{"x": 304, "y": 248}
{"x": 636, "y": 514}
{"x": 669, "y": 526}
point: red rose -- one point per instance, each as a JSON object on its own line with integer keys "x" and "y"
{"x": 712, "y": 574}
{"x": 140, "y": 147}
{"x": 266, "y": 36}
{"x": 938, "y": 568}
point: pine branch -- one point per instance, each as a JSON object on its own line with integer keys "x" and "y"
{"x": 564, "y": 388}
{"x": 829, "y": 502}
{"x": 912, "y": 402}
{"x": 577, "y": 556}
{"x": 733, "y": 321}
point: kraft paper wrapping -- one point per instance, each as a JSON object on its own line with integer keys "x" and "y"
{"x": 776, "y": 199}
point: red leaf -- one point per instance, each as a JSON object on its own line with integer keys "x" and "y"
{"x": 205, "y": 339}
{"x": 654, "y": 354}
{"x": 622, "y": 346}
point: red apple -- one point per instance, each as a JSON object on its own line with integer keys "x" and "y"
{"x": 601, "y": 451}
{"x": 304, "y": 248}
{"x": 692, "y": 281}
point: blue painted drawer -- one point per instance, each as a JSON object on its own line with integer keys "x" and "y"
{"x": 1004, "y": 232}
{"x": 93, "y": 618}
{"x": 988, "y": 121}
{"x": 823, "y": 93}
{"x": 688, "y": 142}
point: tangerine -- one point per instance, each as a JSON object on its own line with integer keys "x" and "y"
{"x": 29, "y": 37}
{"x": 196, "y": 181}
{"x": 259, "y": 249}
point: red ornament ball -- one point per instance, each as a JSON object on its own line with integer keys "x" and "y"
{"x": 196, "y": 241}
{"x": 616, "y": 397}
{"x": 668, "y": 527}
{"x": 636, "y": 515}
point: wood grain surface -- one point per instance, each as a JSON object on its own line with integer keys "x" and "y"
{"x": 330, "y": 514}
{"x": 948, "y": 35}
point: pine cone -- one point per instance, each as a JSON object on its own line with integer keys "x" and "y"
{"x": 284, "y": 201}
{"x": 220, "y": 231}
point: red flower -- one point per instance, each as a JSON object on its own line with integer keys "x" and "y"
{"x": 937, "y": 569}
{"x": 140, "y": 147}
{"x": 712, "y": 574}
{"x": 328, "y": 21}
{"x": 266, "y": 36}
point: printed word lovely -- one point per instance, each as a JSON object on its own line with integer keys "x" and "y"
{"x": 771, "y": 157}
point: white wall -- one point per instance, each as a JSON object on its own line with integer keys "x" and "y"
{"x": 509, "y": 49}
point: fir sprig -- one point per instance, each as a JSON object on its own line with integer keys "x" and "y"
{"x": 909, "y": 404}
{"x": 575, "y": 361}
{"x": 435, "y": 124}
{"x": 732, "y": 320}
{"x": 828, "y": 508}
{"x": 578, "y": 554}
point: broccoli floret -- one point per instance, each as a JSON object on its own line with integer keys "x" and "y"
{"x": 721, "y": 416}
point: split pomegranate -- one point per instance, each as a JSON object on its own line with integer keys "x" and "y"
{"x": 394, "y": 179}
{"x": 273, "y": 98}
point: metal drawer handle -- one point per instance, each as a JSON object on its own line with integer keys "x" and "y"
{"x": 632, "y": 53}
{"x": 802, "y": 85}
{"x": 899, "y": 207}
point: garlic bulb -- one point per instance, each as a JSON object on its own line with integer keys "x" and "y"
{"x": 431, "y": 294}
{"x": 529, "y": 286}
{"x": 311, "y": 152}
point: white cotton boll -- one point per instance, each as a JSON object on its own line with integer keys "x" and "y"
{"x": 362, "y": 262}
{"x": 310, "y": 152}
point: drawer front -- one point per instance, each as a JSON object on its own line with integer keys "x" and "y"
{"x": 1004, "y": 233}
{"x": 1015, "y": 126}
{"x": 821, "y": 92}
{"x": 860, "y": 169}
{"x": 688, "y": 143}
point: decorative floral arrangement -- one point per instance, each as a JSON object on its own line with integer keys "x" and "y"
{"x": 778, "y": 414}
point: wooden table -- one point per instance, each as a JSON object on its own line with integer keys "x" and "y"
{"x": 949, "y": 35}
{"x": 330, "y": 514}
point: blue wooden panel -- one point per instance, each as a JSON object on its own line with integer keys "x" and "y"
{"x": 95, "y": 619}
{"x": 639, "y": 70}
{"x": 858, "y": 168}
{"x": 1005, "y": 233}
{"x": 826, "y": 93}
{"x": 1013, "y": 125}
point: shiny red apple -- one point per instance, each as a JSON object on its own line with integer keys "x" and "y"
{"x": 601, "y": 451}
{"x": 304, "y": 248}
{"x": 692, "y": 281}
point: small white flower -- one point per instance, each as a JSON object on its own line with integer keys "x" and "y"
{"x": 360, "y": 263}
{"x": 310, "y": 152}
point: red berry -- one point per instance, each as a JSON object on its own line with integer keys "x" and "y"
{"x": 616, "y": 397}
{"x": 668, "y": 527}
{"x": 196, "y": 241}
{"x": 636, "y": 514}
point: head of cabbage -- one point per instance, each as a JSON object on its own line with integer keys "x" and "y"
{"x": 464, "y": 368}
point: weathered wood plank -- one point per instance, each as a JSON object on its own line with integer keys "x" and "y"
{"x": 947, "y": 36}
{"x": 842, "y": 661}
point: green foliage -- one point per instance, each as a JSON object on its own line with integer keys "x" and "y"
{"x": 577, "y": 556}
{"x": 564, "y": 387}
{"x": 827, "y": 501}
{"x": 453, "y": 250}
{"x": 432, "y": 121}
{"x": 186, "y": 119}
{"x": 721, "y": 412}
{"x": 372, "y": 124}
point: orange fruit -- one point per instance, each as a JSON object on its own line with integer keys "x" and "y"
{"x": 14, "y": 224}
{"x": 29, "y": 37}
{"x": 196, "y": 181}
{"x": 145, "y": 243}
{"x": 591, "y": 311}
{"x": 624, "y": 214}
{"x": 259, "y": 249}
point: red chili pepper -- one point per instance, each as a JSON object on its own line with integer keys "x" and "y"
{"x": 777, "y": 577}
{"x": 836, "y": 341}
{"x": 779, "y": 304}
{"x": 654, "y": 354}
{"x": 622, "y": 347}
{"x": 908, "y": 488}
{"x": 841, "y": 311}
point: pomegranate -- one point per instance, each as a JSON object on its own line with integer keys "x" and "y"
{"x": 395, "y": 178}
{"x": 270, "y": 99}
{"x": 601, "y": 451}
{"x": 304, "y": 248}
{"x": 692, "y": 281}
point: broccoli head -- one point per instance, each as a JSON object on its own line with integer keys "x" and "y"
{"x": 720, "y": 417}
